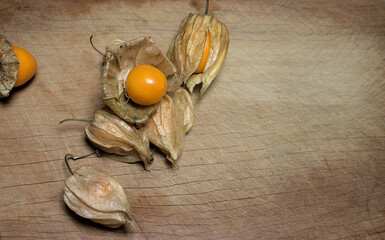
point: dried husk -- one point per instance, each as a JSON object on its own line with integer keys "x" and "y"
{"x": 186, "y": 50}
{"x": 94, "y": 195}
{"x": 183, "y": 99}
{"x": 112, "y": 134}
{"x": 9, "y": 67}
{"x": 166, "y": 129}
{"x": 120, "y": 58}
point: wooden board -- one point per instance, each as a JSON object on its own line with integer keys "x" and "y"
{"x": 289, "y": 140}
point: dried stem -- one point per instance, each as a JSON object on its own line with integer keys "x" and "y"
{"x": 74, "y": 119}
{"x": 207, "y": 7}
{"x": 73, "y": 157}
{"x": 92, "y": 44}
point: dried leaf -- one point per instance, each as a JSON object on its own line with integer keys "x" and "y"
{"x": 166, "y": 129}
{"x": 9, "y": 67}
{"x": 187, "y": 49}
{"x": 111, "y": 134}
{"x": 119, "y": 59}
{"x": 92, "y": 194}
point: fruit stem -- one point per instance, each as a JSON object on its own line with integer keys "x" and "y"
{"x": 74, "y": 119}
{"x": 207, "y": 7}
{"x": 73, "y": 157}
{"x": 92, "y": 44}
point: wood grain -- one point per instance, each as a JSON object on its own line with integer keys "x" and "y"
{"x": 289, "y": 140}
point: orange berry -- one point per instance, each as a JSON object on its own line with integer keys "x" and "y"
{"x": 27, "y": 65}
{"x": 146, "y": 85}
{"x": 206, "y": 53}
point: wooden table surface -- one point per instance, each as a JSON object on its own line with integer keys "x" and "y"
{"x": 289, "y": 140}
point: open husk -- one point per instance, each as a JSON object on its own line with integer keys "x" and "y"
{"x": 186, "y": 50}
{"x": 112, "y": 134}
{"x": 9, "y": 67}
{"x": 120, "y": 58}
{"x": 93, "y": 194}
{"x": 166, "y": 129}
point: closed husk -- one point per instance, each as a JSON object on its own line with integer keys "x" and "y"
{"x": 166, "y": 129}
{"x": 112, "y": 134}
{"x": 94, "y": 195}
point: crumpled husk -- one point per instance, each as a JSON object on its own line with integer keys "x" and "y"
{"x": 166, "y": 129}
{"x": 93, "y": 194}
{"x": 186, "y": 50}
{"x": 112, "y": 134}
{"x": 9, "y": 67}
{"x": 120, "y": 58}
